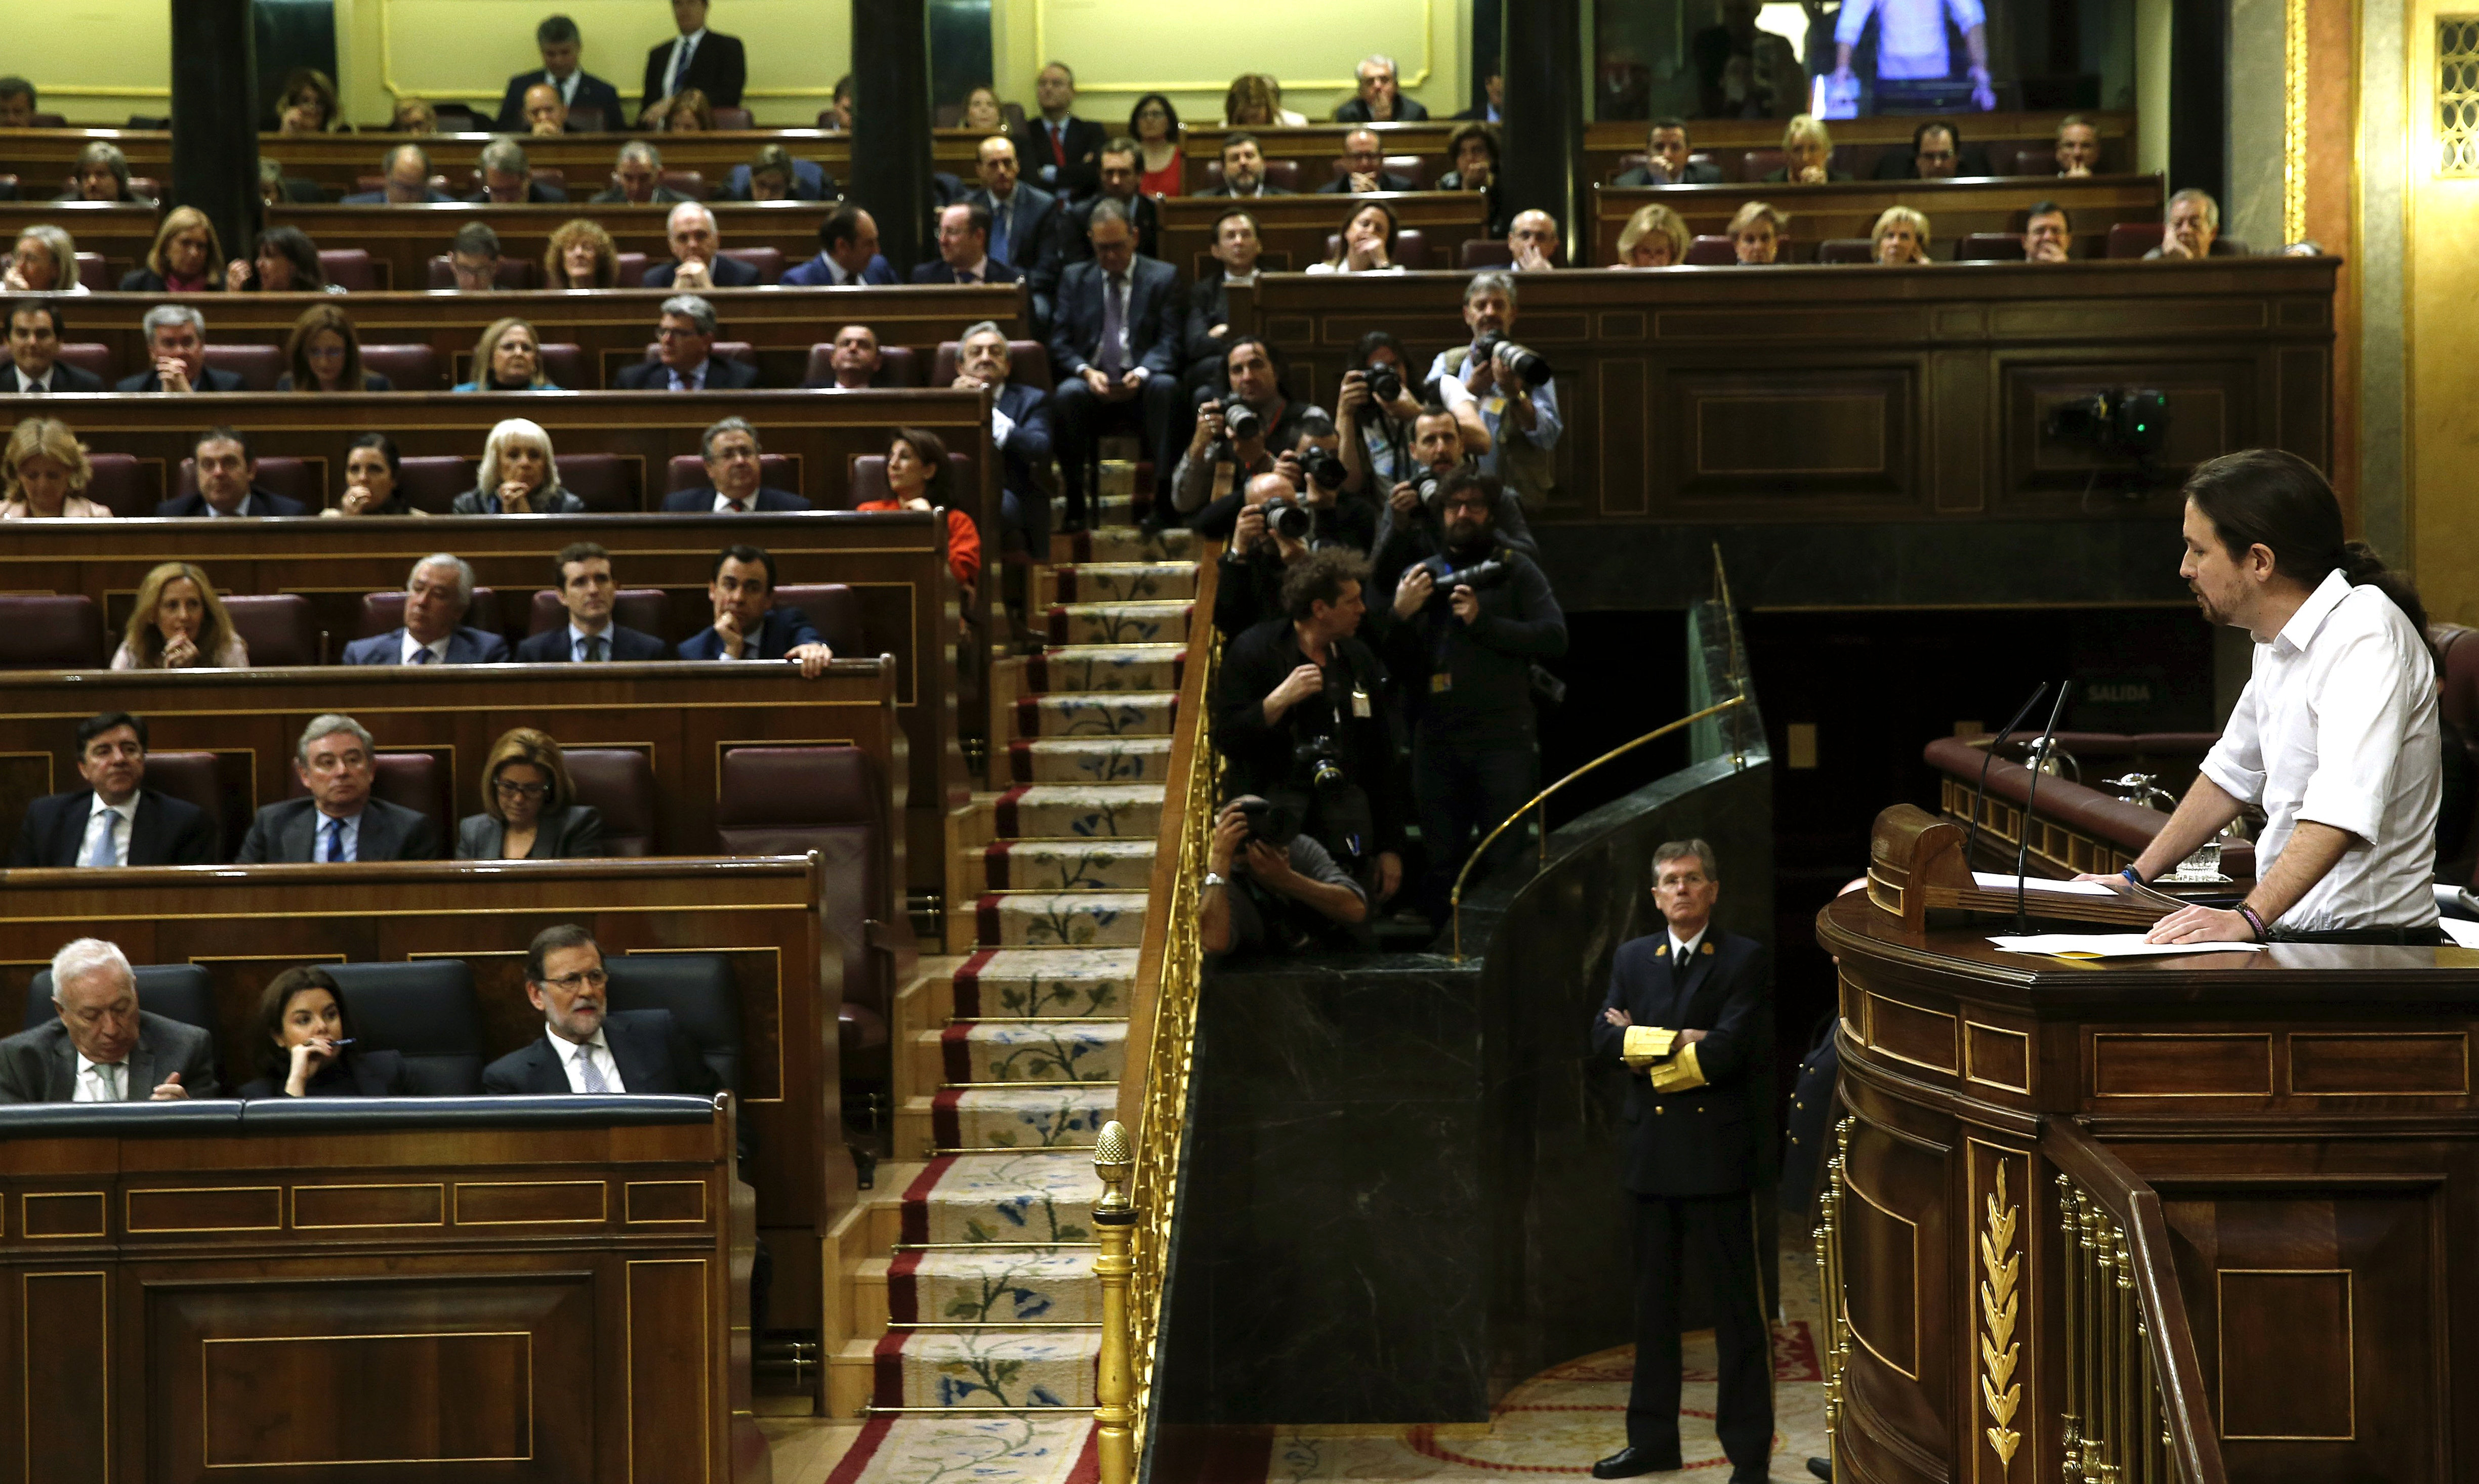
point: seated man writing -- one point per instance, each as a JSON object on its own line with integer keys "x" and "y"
{"x": 103, "y": 1049}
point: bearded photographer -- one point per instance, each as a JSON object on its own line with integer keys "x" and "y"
{"x": 1408, "y": 529}
{"x": 1303, "y": 718}
{"x": 1241, "y": 430}
{"x": 1469, "y": 624}
{"x": 1270, "y": 888}
{"x": 1503, "y": 394}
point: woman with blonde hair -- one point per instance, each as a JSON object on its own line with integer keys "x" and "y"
{"x": 1255, "y": 101}
{"x": 44, "y": 473}
{"x": 1807, "y": 154}
{"x": 45, "y": 262}
{"x": 1656, "y": 236}
{"x": 1366, "y": 244}
{"x": 178, "y": 623}
{"x": 582, "y": 255}
{"x": 508, "y": 358}
{"x": 1756, "y": 233}
{"x": 519, "y": 476}
{"x": 186, "y": 258}
{"x": 307, "y": 105}
{"x": 325, "y": 355}
{"x": 686, "y": 111}
{"x": 1901, "y": 236}
{"x": 529, "y": 809}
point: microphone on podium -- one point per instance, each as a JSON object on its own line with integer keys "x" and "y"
{"x": 1980, "y": 800}
{"x": 2023, "y": 849}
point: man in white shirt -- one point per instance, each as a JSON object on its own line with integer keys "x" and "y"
{"x": 1511, "y": 424}
{"x": 708, "y": 61}
{"x": 114, "y": 820}
{"x": 339, "y": 823}
{"x": 585, "y": 1047}
{"x": 103, "y": 1049}
{"x": 2335, "y": 735}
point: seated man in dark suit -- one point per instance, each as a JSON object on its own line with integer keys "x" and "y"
{"x": 1363, "y": 168}
{"x": 855, "y": 361}
{"x": 34, "y": 364}
{"x": 340, "y": 821}
{"x": 508, "y": 179}
{"x": 587, "y": 589}
{"x": 1116, "y": 350}
{"x": 228, "y": 475}
{"x": 115, "y": 820}
{"x": 1244, "y": 169}
{"x": 1020, "y": 416}
{"x": 1023, "y": 217}
{"x": 697, "y": 255}
{"x": 1667, "y": 161}
{"x": 1381, "y": 99}
{"x": 584, "y": 1047}
{"x": 685, "y": 344}
{"x": 1937, "y": 154}
{"x": 176, "y": 343}
{"x": 103, "y": 1049}
{"x": 847, "y": 253}
{"x": 733, "y": 467}
{"x": 436, "y": 595}
{"x": 708, "y": 61}
{"x": 574, "y": 87}
{"x": 637, "y": 179}
{"x": 964, "y": 249}
{"x": 407, "y": 168}
{"x": 747, "y": 623}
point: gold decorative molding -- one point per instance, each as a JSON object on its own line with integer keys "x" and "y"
{"x": 1428, "y": 64}
{"x": 2294, "y": 121}
{"x": 2457, "y": 96}
{"x": 2000, "y": 1308}
{"x": 490, "y": 89}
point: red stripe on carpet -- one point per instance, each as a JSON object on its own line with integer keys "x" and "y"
{"x": 857, "y": 1458}
{"x": 985, "y": 918}
{"x": 968, "y": 984}
{"x": 1027, "y": 713}
{"x": 956, "y": 1052}
{"x": 1058, "y": 625}
{"x": 1066, "y": 580}
{"x": 904, "y": 1289}
{"x": 995, "y": 863}
{"x": 1088, "y": 1459}
{"x": 1178, "y": 668}
{"x": 1036, "y": 672}
{"x": 886, "y": 1366}
{"x": 915, "y": 1205}
{"x": 1005, "y": 812}
{"x": 1021, "y": 760}
{"x": 946, "y": 1125}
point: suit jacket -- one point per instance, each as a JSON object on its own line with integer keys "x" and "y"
{"x": 568, "y": 833}
{"x": 719, "y": 68}
{"x": 937, "y": 270}
{"x": 1155, "y": 314}
{"x": 550, "y": 646}
{"x": 817, "y": 273}
{"x": 362, "y": 1074}
{"x": 1387, "y": 180}
{"x": 285, "y": 834}
{"x": 64, "y": 378}
{"x": 166, "y": 831}
{"x": 537, "y": 193}
{"x": 259, "y": 502}
{"x": 721, "y": 375}
{"x": 1902, "y": 164}
{"x": 372, "y": 381}
{"x": 560, "y": 500}
{"x": 1407, "y": 110}
{"x": 592, "y": 92}
{"x": 613, "y": 195}
{"x": 783, "y": 628}
{"x": 39, "y": 1066}
{"x": 209, "y": 379}
{"x": 701, "y": 500}
{"x": 433, "y": 196}
{"x": 1698, "y": 172}
{"x": 1269, "y": 188}
{"x": 810, "y": 182}
{"x": 1080, "y": 175}
{"x": 465, "y": 647}
{"x": 1028, "y": 448}
{"x": 1704, "y": 1140}
{"x": 727, "y": 272}
{"x": 1074, "y": 246}
{"x": 655, "y": 1055}
{"x": 1032, "y": 234}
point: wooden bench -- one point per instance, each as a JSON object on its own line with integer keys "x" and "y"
{"x": 1294, "y": 228}
{"x": 1859, "y": 143}
{"x": 1850, "y": 208}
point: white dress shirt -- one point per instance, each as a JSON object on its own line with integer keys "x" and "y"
{"x": 978, "y": 273}
{"x": 2338, "y": 725}
{"x": 119, "y": 818}
{"x": 348, "y": 843}
{"x": 1682, "y": 951}
{"x": 572, "y": 1054}
{"x": 723, "y": 504}
{"x": 21, "y": 382}
{"x": 412, "y": 647}
{"x": 578, "y": 636}
{"x": 91, "y": 1086}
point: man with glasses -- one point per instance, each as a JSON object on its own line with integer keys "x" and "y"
{"x": 340, "y": 822}
{"x": 585, "y": 1047}
{"x": 1363, "y": 168}
{"x": 684, "y": 349}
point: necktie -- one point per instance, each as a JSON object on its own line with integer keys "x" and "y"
{"x": 999, "y": 230}
{"x": 588, "y": 1073}
{"x": 593, "y": 648}
{"x": 424, "y": 655}
{"x": 680, "y": 62}
{"x": 739, "y": 507}
{"x": 1113, "y": 357}
{"x": 1059, "y": 143}
{"x": 35, "y": 387}
{"x": 102, "y": 854}
{"x": 109, "y": 1074}
{"x": 335, "y": 849}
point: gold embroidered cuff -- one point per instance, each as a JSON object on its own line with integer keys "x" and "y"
{"x": 1679, "y": 1074}
{"x": 1644, "y": 1044}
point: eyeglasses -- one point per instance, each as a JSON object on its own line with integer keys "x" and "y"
{"x": 521, "y": 790}
{"x": 569, "y": 984}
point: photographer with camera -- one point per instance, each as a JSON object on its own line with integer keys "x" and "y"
{"x": 1276, "y": 521}
{"x": 1243, "y": 428}
{"x": 1503, "y": 394}
{"x": 1469, "y": 623}
{"x": 1408, "y": 528}
{"x": 1303, "y": 718}
{"x": 1374, "y": 411}
{"x": 1269, "y": 888}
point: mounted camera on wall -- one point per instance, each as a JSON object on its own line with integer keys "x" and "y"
{"x": 2131, "y": 424}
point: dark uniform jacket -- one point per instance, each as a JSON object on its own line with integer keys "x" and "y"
{"x": 1703, "y": 1139}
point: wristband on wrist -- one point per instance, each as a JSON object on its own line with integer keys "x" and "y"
{"x": 2134, "y": 875}
{"x": 2253, "y": 922}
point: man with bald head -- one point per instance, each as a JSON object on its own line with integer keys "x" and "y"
{"x": 1023, "y": 218}
{"x": 543, "y": 110}
{"x": 697, "y": 255}
{"x": 103, "y": 1049}
{"x": 1363, "y": 168}
{"x": 407, "y": 172}
{"x": 1533, "y": 239}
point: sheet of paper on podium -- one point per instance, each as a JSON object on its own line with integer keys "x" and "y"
{"x": 2112, "y": 946}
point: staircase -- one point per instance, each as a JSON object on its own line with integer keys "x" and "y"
{"x": 969, "y": 1290}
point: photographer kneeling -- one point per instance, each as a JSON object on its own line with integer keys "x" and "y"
{"x": 1269, "y": 888}
{"x": 1302, "y": 718}
{"x": 1469, "y": 623}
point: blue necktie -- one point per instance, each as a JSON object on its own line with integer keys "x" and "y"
{"x": 424, "y": 655}
{"x": 103, "y": 854}
{"x": 999, "y": 213}
{"x": 680, "y": 63}
{"x": 335, "y": 850}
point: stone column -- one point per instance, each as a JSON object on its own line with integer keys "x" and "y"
{"x": 891, "y": 124}
{"x": 1542, "y": 59}
{"x": 215, "y": 119}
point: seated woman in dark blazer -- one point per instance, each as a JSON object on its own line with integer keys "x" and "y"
{"x": 304, "y": 1047}
{"x": 519, "y": 476}
{"x": 529, "y": 811}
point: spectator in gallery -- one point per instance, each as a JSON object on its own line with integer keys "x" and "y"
{"x": 1243, "y": 170}
{"x": 508, "y": 179}
{"x": 697, "y": 262}
{"x": 847, "y": 253}
{"x": 1901, "y": 236}
{"x": 18, "y": 105}
{"x": 508, "y": 358}
{"x": 518, "y": 476}
{"x": 227, "y": 480}
{"x": 406, "y": 169}
{"x": 580, "y": 255}
{"x": 964, "y": 249}
{"x": 571, "y": 85}
{"x": 688, "y": 112}
{"x": 545, "y": 114}
{"x": 918, "y": 478}
{"x": 773, "y": 174}
{"x": 1154, "y": 124}
{"x": 1269, "y": 888}
{"x": 1756, "y": 233}
{"x": 852, "y": 362}
{"x": 1807, "y": 154}
{"x": 1656, "y": 236}
{"x": 102, "y": 174}
{"x": 436, "y": 595}
{"x": 1363, "y": 168}
{"x": 1937, "y": 154}
{"x": 591, "y": 594}
{"x": 1533, "y": 240}
{"x": 184, "y": 258}
{"x": 340, "y": 821}
{"x": 325, "y": 354}
{"x": 372, "y": 470}
{"x": 178, "y": 621}
{"x": 1668, "y": 159}
{"x": 115, "y": 820}
{"x": 981, "y": 112}
{"x": 44, "y": 261}
{"x": 413, "y": 116}
{"x": 637, "y": 179}
{"x": 1057, "y": 148}
{"x": 2078, "y": 145}
{"x": 748, "y": 623}
{"x": 35, "y": 327}
{"x": 586, "y": 1047}
{"x": 2192, "y": 227}
{"x": 1380, "y": 99}
{"x": 713, "y": 64}
{"x": 287, "y": 261}
{"x": 103, "y": 1049}
{"x": 735, "y": 466}
{"x": 1255, "y": 101}
{"x": 529, "y": 806}
{"x": 305, "y": 1046}
{"x": 306, "y": 103}
{"x": 44, "y": 473}
{"x": 684, "y": 354}
{"x": 2048, "y": 234}
{"x": 1367, "y": 242}
{"x": 1473, "y": 148}
{"x": 1019, "y": 418}
{"x": 1491, "y": 109}
{"x": 473, "y": 259}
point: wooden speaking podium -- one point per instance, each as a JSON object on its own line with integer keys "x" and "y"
{"x": 2191, "y": 1218}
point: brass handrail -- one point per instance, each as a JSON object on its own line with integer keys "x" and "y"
{"x": 1455, "y": 899}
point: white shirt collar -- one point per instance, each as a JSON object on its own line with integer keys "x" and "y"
{"x": 438, "y": 650}
{"x": 694, "y": 37}
{"x": 578, "y": 636}
{"x": 2300, "y": 630}
{"x": 723, "y": 501}
{"x": 1686, "y": 949}
{"x": 127, "y": 809}
{"x": 44, "y": 381}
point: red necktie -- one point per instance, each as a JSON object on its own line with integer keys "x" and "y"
{"x": 1058, "y": 142}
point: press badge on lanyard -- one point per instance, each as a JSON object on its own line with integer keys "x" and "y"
{"x": 1359, "y": 703}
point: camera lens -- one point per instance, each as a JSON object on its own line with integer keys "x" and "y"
{"x": 1324, "y": 469}
{"x": 1385, "y": 383}
{"x": 1240, "y": 420}
{"x": 1292, "y": 522}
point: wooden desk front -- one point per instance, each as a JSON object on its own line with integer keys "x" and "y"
{"x": 1850, "y": 208}
{"x": 1814, "y": 394}
{"x": 221, "y": 1293}
{"x": 1858, "y": 143}
{"x": 404, "y": 239}
{"x": 1294, "y": 228}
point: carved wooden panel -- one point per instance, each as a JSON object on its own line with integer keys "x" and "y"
{"x": 69, "y": 1314}
{"x": 2178, "y": 1065}
{"x": 2374, "y": 1064}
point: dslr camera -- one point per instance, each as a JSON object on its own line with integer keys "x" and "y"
{"x": 1480, "y": 576}
{"x": 1289, "y": 519}
{"x": 1385, "y": 383}
{"x": 1324, "y": 469}
{"x": 1320, "y": 762}
{"x": 1241, "y": 421}
{"x": 1526, "y": 363}
{"x": 1270, "y": 822}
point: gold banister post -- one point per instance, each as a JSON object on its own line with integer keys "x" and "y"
{"x": 1114, "y": 1386}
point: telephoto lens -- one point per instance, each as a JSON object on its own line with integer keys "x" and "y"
{"x": 1426, "y": 486}
{"x": 1480, "y": 577}
{"x": 1241, "y": 421}
{"x": 1525, "y": 364}
{"x": 1324, "y": 469}
{"x": 1291, "y": 521}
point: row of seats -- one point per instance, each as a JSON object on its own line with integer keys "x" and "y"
{"x": 1741, "y": 167}
{"x": 2127, "y": 240}
{"x": 1751, "y": 167}
{"x": 49, "y": 631}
